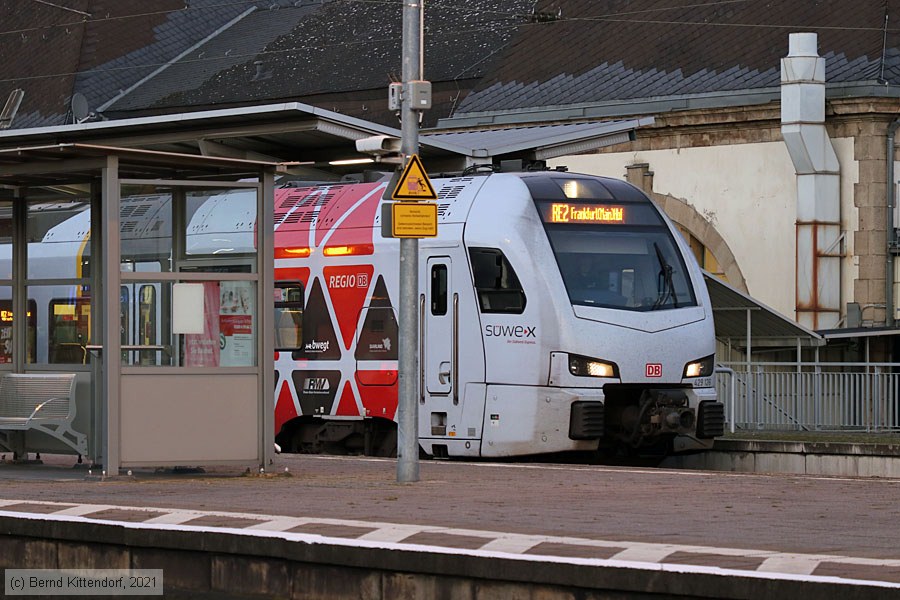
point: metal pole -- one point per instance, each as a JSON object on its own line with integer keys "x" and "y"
{"x": 408, "y": 408}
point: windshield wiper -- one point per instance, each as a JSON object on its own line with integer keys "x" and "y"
{"x": 664, "y": 284}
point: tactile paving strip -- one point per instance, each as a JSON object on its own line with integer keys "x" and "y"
{"x": 886, "y": 571}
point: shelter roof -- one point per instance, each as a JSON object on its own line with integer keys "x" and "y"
{"x": 735, "y": 312}
{"x": 857, "y": 332}
{"x": 64, "y": 164}
{"x": 309, "y": 138}
{"x": 541, "y": 141}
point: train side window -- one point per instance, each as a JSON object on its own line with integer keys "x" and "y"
{"x": 147, "y": 322}
{"x": 69, "y": 330}
{"x": 124, "y": 313}
{"x": 496, "y": 283}
{"x": 6, "y": 323}
{"x": 439, "y": 290}
{"x": 288, "y": 315}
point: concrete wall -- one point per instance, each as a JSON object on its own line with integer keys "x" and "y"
{"x": 223, "y": 565}
{"x": 801, "y": 458}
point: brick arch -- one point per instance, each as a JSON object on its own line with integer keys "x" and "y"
{"x": 702, "y": 229}
{"x": 699, "y": 226}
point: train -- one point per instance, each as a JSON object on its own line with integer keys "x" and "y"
{"x": 558, "y": 312}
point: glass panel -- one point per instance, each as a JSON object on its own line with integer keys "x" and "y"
{"x": 6, "y": 322}
{"x": 220, "y": 222}
{"x": 125, "y": 318}
{"x": 59, "y": 324}
{"x": 229, "y": 332}
{"x": 57, "y": 234}
{"x": 148, "y": 323}
{"x": 7, "y": 349}
{"x": 6, "y": 231}
{"x": 229, "y": 322}
{"x": 288, "y": 315}
{"x": 145, "y": 217}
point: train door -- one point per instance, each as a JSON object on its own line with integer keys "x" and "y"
{"x": 139, "y": 311}
{"x": 439, "y": 331}
{"x": 442, "y": 416}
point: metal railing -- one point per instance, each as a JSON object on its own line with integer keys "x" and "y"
{"x": 811, "y": 396}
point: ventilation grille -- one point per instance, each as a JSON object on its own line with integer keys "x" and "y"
{"x": 303, "y": 207}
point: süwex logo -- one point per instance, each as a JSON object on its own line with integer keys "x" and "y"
{"x": 514, "y": 334}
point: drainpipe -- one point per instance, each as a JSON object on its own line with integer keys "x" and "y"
{"x": 889, "y": 275}
{"x": 818, "y": 227}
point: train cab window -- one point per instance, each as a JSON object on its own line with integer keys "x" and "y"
{"x": 639, "y": 270}
{"x": 439, "y": 290}
{"x": 496, "y": 283}
{"x": 288, "y": 315}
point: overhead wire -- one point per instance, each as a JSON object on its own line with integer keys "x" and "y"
{"x": 610, "y": 18}
{"x": 449, "y": 6}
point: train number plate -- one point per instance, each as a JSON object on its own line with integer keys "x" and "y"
{"x": 653, "y": 370}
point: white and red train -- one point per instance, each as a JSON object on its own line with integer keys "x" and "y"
{"x": 558, "y": 312}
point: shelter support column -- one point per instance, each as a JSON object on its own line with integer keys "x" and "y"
{"x": 109, "y": 305}
{"x": 266, "y": 289}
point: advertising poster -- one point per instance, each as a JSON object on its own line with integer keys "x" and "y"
{"x": 236, "y": 343}
{"x": 203, "y": 349}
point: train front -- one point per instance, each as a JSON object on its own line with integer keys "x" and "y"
{"x": 625, "y": 318}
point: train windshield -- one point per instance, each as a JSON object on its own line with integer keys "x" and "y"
{"x": 618, "y": 256}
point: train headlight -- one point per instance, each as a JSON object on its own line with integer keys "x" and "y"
{"x": 582, "y": 366}
{"x": 700, "y": 368}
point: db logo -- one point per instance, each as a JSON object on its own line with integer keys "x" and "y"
{"x": 654, "y": 370}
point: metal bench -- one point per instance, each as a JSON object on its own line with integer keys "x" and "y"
{"x": 42, "y": 402}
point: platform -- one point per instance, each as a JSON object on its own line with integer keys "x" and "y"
{"x": 633, "y": 530}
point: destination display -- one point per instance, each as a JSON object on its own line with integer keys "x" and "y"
{"x": 597, "y": 213}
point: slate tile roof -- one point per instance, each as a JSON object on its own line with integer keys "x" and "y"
{"x": 113, "y": 46}
{"x": 619, "y": 50}
{"x": 303, "y": 49}
{"x": 131, "y": 57}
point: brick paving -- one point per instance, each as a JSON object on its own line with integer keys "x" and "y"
{"x": 801, "y": 525}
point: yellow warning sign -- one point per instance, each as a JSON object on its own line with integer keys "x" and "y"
{"x": 414, "y": 219}
{"x": 414, "y": 183}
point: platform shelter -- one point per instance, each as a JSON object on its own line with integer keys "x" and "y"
{"x": 115, "y": 274}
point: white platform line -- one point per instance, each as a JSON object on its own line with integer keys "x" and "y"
{"x": 514, "y": 544}
{"x": 85, "y": 509}
{"x": 394, "y": 534}
{"x": 277, "y": 525}
{"x": 797, "y": 564}
{"x": 173, "y": 518}
{"x": 652, "y": 553}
